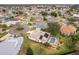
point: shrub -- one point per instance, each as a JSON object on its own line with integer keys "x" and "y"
{"x": 29, "y": 51}
{"x": 44, "y": 13}
{"x": 54, "y": 14}
{"x": 53, "y": 28}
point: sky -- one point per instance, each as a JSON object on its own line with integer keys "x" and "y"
{"x": 39, "y": 2}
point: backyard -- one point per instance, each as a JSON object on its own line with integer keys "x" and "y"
{"x": 40, "y": 49}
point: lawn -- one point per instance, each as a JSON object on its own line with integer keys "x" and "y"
{"x": 3, "y": 34}
{"x": 40, "y": 49}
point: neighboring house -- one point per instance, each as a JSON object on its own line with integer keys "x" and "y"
{"x": 39, "y": 23}
{"x": 38, "y": 18}
{"x": 76, "y": 23}
{"x": 68, "y": 29}
{"x": 51, "y": 19}
{"x": 4, "y": 17}
{"x": 8, "y": 23}
{"x": 76, "y": 15}
{"x": 11, "y": 46}
{"x": 21, "y": 17}
{"x": 63, "y": 10}
{"x": 19, "y": 29}
{"x": 39, "y": 36}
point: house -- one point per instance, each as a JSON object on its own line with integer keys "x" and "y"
{"x": 39, "y": 36}
{"x": 20, "y": 17}
{"x": 39, "y": 23}
{"x": 43, "y": 37}
{"x": 8, "y": 23}
{"x": 76, "y": 23}
{"x": 11, "y": 46}
{"x": 4, "y": 17}
{"x": 19, "y": 28}
{"x": 76, "y": 15}
{"x": 38, "y": 18}
{"x": 51, "y": 19}
{"x": 68, "y": 29}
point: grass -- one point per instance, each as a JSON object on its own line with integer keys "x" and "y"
{"x": 28, "y": 43}
{"x": 3, "y": 34}
{"x": 40, "y": 49}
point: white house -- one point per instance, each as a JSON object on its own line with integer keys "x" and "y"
{"x": 39, "y": 36}
{"x": 76, "y": 15}
{"x": 11, "y": 22}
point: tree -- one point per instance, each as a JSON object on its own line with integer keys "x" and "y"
{"x": 75, "y": 37}
{"x": 71, "y": 19}
{"x": 20, "y": 12}
{"x": 32, "y": 18}
{"x": 45, "y": 19}
{"x": 53, "y": 28}
{"x": 69, "y": 43}
{"x": 59, "y": 13}
{"x": 44, "y": 13}
{"x": 4, "y": 10}
{"x": 20, "y": 28}
{"x": 47, "y": 44}
{"x": 54, "y": 14}
{"x": 29, "y": 51}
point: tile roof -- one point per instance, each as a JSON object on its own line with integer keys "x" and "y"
{"x": 68, "y": 29}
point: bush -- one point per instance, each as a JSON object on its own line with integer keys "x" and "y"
{"x": 32, "y": 18}
{"x": 54, "y": 14}
{"x": 44, "y": 13}
{"x": 19, "y": 28}
{"x": 69, "y": 43}
{"x": 53, "y": 28}
{"x": 29, "y": 51}
{"x": 75, "y": 37}
{"x": 47, "y": 44}
{"x": 45, "y": 19}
